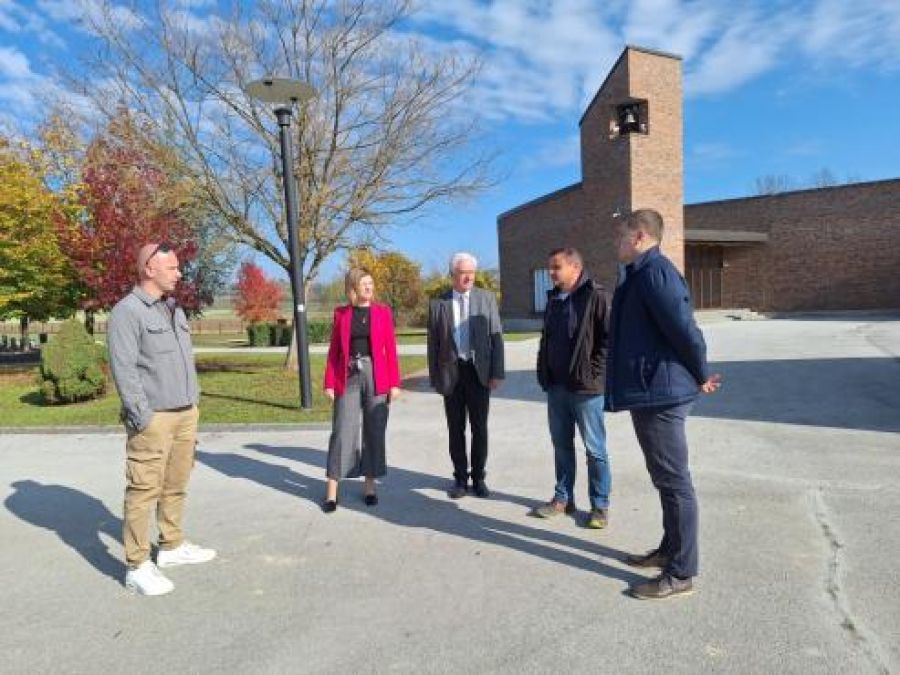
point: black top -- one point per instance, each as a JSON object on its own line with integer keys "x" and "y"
{"x": 577, "y": 327}
{"x": 560, "y": 339}
{"x": 359, "y": 332}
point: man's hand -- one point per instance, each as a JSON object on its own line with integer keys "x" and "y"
{"x": 329, "y": 392}
{"x": 493, "y": 383}
{"x": 394, "y": 394}
{"x": 712, "y": 384}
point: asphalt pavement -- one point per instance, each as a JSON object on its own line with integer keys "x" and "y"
{"x": 796, "y": 462}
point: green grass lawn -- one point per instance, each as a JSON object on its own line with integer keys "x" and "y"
{"x": 405, "y": 336}
{"x": 237, "y": 388}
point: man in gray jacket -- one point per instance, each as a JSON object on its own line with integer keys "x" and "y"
{"x": 152, "y": 363}
{"x": 465, "y": 362}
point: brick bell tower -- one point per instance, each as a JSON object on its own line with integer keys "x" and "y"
{"x": 632, "y": 152}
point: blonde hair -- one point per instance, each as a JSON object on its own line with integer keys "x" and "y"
{"x": 352, "y": 281}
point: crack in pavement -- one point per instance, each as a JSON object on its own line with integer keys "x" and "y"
{"x": 859, "y": 635}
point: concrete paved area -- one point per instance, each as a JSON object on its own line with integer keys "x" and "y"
{"x": 797, "y": 464}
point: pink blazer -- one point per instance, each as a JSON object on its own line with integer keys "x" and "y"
{"x": 383, "y": 343}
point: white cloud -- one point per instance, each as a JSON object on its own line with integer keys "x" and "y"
{"x": 194, "y": 4}
{"x": 85, "y": 13}
{"x": 712, "y": 152}
{"x": 540, "y": 58}
{"x": 543, "y": 59}
{"x": 19, "y": 85}
{"x": 809, "y": 148}
{"x": 748, "y": 47}
{"x": 14, "y": 64}
{"x": 556, "y": 153}
{"x": 18, "y": 19}
{"x": 865, "y": 32}
{"x": 673, "y": 26}
{"x": 197, "y": 26}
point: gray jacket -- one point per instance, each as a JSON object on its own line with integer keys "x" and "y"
{"x": 485, "y": 340}
{"x": 151, "y": 358}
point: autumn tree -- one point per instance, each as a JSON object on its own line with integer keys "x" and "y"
{"x": 36, "y": 280}
{"x": 398, "y": 280}
{"x": 378, "y": 143}
{"x": 437, "y": 283}
{"x": 128, "y": 198}
{"x": 258, "y": 298}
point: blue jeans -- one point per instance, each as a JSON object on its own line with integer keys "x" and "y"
{"x": 565, "y": 410}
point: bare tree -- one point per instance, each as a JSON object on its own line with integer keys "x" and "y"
{"x": 823, "y": 178}
{"x": 384, "y": 138}
{"x": 773, "y": 184}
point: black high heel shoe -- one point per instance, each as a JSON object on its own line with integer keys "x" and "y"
{"x": 329, "y": 506}
{"x": 371, "y": 500}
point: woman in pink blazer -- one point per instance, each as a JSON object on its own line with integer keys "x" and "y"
{"x": 362, "y": 377}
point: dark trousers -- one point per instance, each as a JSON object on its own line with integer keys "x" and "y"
{"x": 469, "y": 398}
{"x": 660, "y": 432}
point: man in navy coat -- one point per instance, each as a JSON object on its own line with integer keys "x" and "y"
{"x": 656, "y": 369}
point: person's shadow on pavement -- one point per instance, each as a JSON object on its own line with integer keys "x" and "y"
{"x": 76, "y": 518}
{"x": 404, "y": 505}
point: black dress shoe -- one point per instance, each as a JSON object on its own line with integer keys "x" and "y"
{"x": 481, "y": 490}
{"x": 458, "y": 490}
{"x": 371, "y": 500}
{"x": 329, "y": 506}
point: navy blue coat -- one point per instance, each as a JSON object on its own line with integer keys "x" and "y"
{"x": 657, "y": 355}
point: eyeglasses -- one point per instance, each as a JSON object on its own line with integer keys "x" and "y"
{"x": 160, "y": 248}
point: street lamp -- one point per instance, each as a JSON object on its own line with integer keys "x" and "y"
{"x": 285, "y": 92}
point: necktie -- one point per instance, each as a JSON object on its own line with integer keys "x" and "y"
{"x": 463, "y": 327}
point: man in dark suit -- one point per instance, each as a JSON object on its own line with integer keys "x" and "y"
{"x": 465, "y": 362}
{"x": 656, "y": 369}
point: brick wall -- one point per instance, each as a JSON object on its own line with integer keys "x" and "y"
{"x": 830, "y": 248}
{"x": 525, "y": 237}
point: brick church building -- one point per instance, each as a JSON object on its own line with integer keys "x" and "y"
{"x": 825, "y": 248}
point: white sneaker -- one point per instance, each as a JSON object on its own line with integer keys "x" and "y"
{"x": 185, "y": 554}
{"x": 147, "y": 580}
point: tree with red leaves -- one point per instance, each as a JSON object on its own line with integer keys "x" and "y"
{"x": 129, "y": 199}
{"x": 258, "y": 297}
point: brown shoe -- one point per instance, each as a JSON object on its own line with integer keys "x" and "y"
{"x": 664, "y": 586}
{"x": 650, "y": 559}
{"x": 554, "y": 508}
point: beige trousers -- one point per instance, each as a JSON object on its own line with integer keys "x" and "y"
{"x": 157, "y": 469}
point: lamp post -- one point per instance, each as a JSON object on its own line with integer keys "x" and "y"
{"x": 284, "y": 92}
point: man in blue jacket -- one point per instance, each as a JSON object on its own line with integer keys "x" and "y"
{"x": 656, "y": 369}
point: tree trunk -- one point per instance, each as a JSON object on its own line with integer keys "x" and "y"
{"x": 290, "y": 359}
{"x": 89, "y": 321}
{"x": 23, "y": 328}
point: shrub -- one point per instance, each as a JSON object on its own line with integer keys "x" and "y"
{"x": 72, "y": 366}
{"x": 318, "y": 331}
{"x": 258, "y": 334}
{"x": 280, "y": 334}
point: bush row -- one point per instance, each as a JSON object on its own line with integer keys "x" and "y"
{"x": 279, "y": 334}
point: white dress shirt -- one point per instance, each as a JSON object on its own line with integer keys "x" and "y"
{"x": 461, "y": 324}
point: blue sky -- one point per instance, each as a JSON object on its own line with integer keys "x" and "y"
{"x": 770, "y": 88}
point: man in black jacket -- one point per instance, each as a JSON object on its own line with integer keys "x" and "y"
{"x": 571, "y": 369}
{"x": 657, "y": 367}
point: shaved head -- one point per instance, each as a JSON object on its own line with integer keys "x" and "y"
{"x": 158, "y": 269}
{"x": 143, "y": 257}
